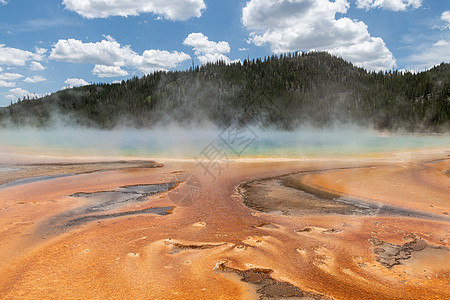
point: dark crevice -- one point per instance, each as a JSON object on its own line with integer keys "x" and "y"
{"x": 266, "y": 286}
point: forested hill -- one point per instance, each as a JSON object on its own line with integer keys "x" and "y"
{"x": 281, "y": 91}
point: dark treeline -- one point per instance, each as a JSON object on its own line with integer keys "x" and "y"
{"x": 283, "y": 92}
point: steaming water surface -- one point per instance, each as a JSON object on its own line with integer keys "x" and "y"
{"x": 183, "y": 142}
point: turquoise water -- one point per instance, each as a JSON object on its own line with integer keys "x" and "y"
{"x": 187, "y": 143}
{"x": 343, "y": 143}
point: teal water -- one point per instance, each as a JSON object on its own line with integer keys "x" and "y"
{"x": 189, "y": 143}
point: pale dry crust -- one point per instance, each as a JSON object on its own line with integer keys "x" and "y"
{"x": 422, "y": 186}
{"x": 134, "y": 257}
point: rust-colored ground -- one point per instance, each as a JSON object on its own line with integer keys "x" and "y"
{"x": 212, "y": 246}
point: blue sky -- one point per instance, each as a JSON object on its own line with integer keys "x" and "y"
{"x": 49, "y": 45}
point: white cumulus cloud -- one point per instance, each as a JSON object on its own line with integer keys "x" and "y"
{"x": 3, "y": 2}
{"x": 303, "y": 25}
{"x": 153, "y": 60}
{"x": 10, "y": 76}
{"x": 395, "y": 5}
{"x": 72, "y": 82}
{"x": 108, "y": 71}
{"x": 16, "y": 93}
{"x": 441, "y": 43}
{"x": 371, "y": 54}
{"x": 206, "y": 50}
{"x": 446, "y": 18}
{"x": 6, "y": 83}
{"x": 108, "y": 52}
{"x": 35, "y": 66}
{"x": 34, "y": 79}
{"x": 17, "y": 57}
{"x": 109, "y": 55}
{"x": 9, "y": 79}
{"x": 169, "y": 9}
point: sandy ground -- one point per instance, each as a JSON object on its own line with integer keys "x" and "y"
{"x": 94, "y": 234}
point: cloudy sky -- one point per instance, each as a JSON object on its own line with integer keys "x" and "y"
{"x": 47, "y": 45}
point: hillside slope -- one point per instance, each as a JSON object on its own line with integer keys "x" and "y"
{"x": 283, "y": 92}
